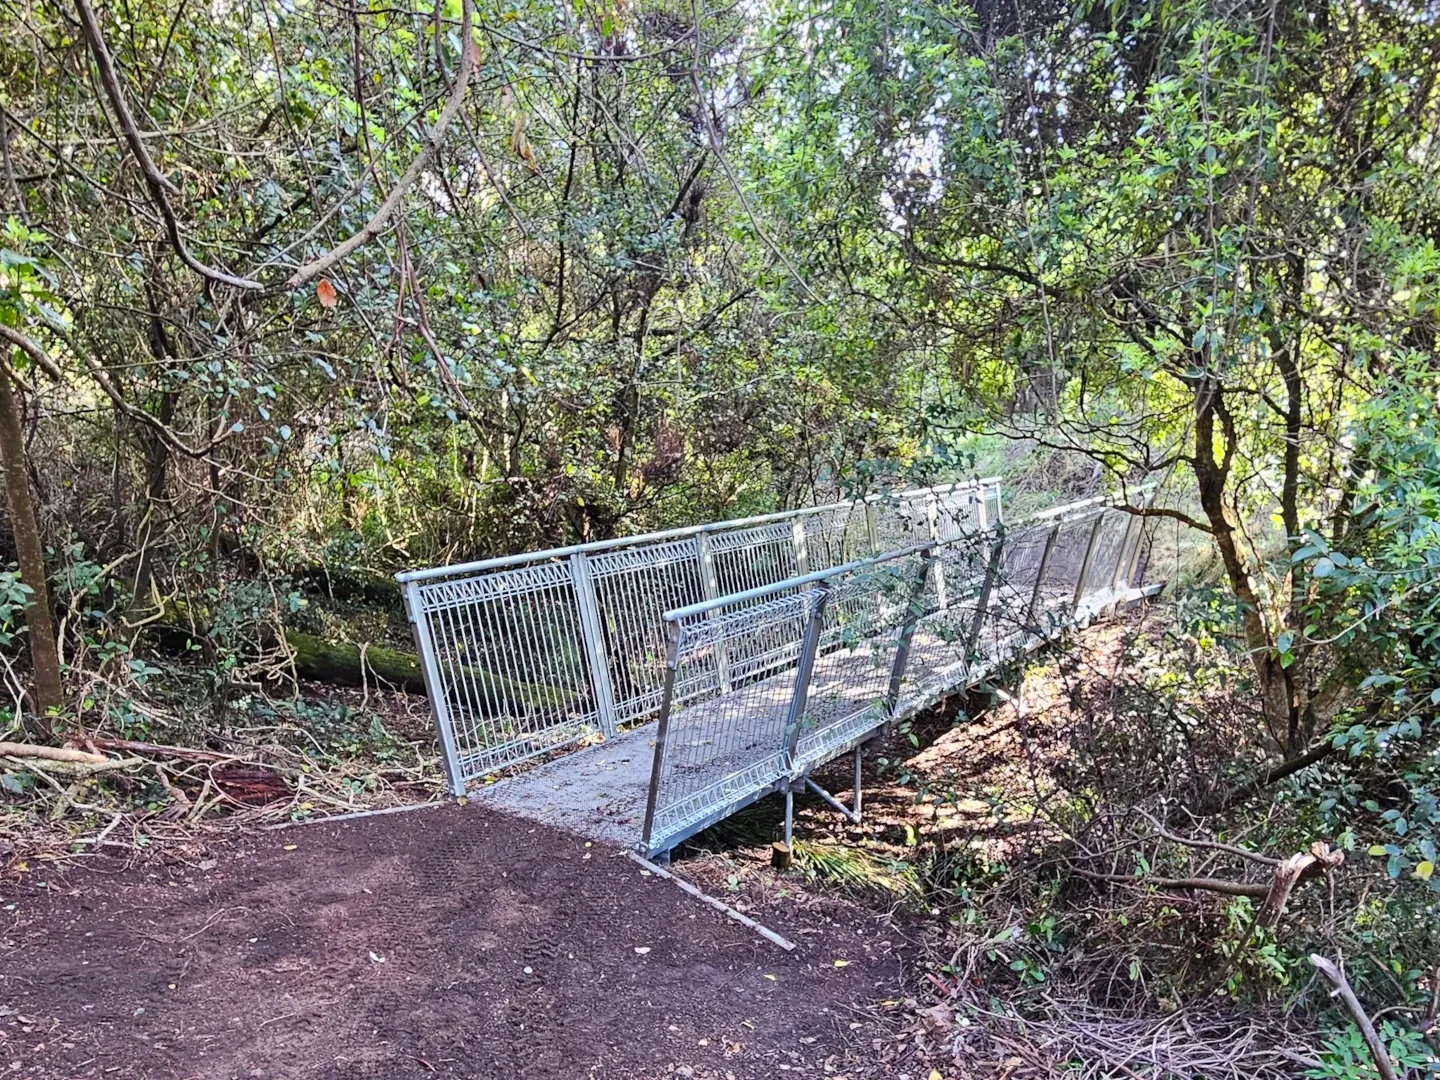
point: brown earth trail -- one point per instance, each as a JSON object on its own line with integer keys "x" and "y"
{"x": 450, "y": 942}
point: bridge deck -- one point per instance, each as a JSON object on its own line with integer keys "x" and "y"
{"x": 599, "y": 791}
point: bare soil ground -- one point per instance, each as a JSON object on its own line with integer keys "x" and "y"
{"x": 453, "y": 941}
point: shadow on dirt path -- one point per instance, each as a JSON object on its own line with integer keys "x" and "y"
{"x": 449, "y": 942}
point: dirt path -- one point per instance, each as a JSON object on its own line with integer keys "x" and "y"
{"x": 447, "y": 942}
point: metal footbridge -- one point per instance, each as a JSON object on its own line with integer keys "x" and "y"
{"x": 687, "y": 673}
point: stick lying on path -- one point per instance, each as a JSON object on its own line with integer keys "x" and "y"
{"x": 743, "y": 920}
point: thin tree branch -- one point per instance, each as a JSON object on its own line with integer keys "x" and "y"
{"x": 1336, "y": 974}
{"x": 371, "y": 229}
{"x": 155, "y": 180}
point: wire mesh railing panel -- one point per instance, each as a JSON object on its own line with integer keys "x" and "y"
{"x": 957, "y": 513}
{"x": 1057, "y": 592}
{"x": 900, "y": 521}
{"x": 1008, "y": 620}
{"x": 723, "y": 748}
{"x": 633, "y": 589}
{"x": 835, "y": 536}
{"x": 847, "y": 696}
{"x": 1105, "y": 559}
{"x": 749, "y": 558}
{"x": 509, "y": 663}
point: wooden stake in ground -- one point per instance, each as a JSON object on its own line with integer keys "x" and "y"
{"x": 44, "y": 656}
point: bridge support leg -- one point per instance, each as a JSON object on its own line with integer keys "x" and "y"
{"x": 851, "y": 813}
{"x": 859, "y": 762}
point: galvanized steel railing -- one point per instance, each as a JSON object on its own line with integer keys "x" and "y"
{"x": 529, "y": 653}
{"x": 816, "y": 664}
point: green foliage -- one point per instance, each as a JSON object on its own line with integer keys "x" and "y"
{"x": 14, "y": 597}
{"x": 1346, "y": 1056}
{"x": 856, "y": 870}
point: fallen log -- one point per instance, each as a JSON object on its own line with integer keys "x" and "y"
{"x": 51, "y": 753}
{"x": 132, "y": 746}
{"x": 69, "y": 766}
{"x": 343, "y": 664}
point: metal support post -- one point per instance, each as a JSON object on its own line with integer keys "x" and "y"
{"x": 859, "y": 761}
{"x": 913, "y": 608}
{"x": 982, "y": 602}
{"x": 802, "y": 548}
{"x": 434, "y": 687}
{"x": 1123, "y": 555}
{"x": 789, "y": 813}
{"x": 710, "y": 586}
{"x": 932, "y": 513}
{"x": 594, "y": 639}
{"x": 667, "y": 700}
{"x": 1050, "y": 538}
{"x": 872, "y": 527}
{"x": 809, "y": 645}
{"x": 1085, "y": 563}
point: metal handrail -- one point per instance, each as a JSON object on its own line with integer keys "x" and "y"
{"x": 1070, "y": 512}
{"x": 800, "y": 581}
{"x": 699, "y": 790}
{"x": 500, "y": 562}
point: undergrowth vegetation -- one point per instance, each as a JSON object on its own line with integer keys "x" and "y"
{"x": 295, "y": 295}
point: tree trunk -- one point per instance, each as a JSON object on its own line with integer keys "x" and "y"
{"x": 1212, "y": 474}
{"x": 44, "y": 656}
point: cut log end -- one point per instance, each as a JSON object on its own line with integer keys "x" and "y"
{"x": 781, "y": 857}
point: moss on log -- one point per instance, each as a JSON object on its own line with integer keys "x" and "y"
{"x": 339, "y": 663}
{"x": 336, "y": 662}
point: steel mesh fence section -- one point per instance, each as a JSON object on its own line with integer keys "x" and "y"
{"x": 944, "y": 647}
{"x": 957, "y": 513}
{"x": 1105, "y": 557}
{"x": 633, "y": 590}
{"x": 749, "y": 558}
{"x": 512, "y": 673}
{"x": 847, "y": 695}
{"x": 836, "y": 536}
{"x": 1008, "y": 621}
{"x": 719, "y": 750}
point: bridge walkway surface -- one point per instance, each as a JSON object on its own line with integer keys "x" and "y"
{"x": 670, "y": 680}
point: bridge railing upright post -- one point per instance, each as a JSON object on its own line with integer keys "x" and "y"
{"x": 1082, "y": 578}
{"x": 913, "y": 610}
{"x": 987, "y": 589}
{"x": 710, "y": 589}
{"x": 435, "y": 686}
{"x": 932, "y": 515}
{"x": 800, "y": 543}
{"x": 593, "y": 636}
{"x": 800, "y": 695}
{"x": 1050, "y": 539}
{"x": 662, "y": 732}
